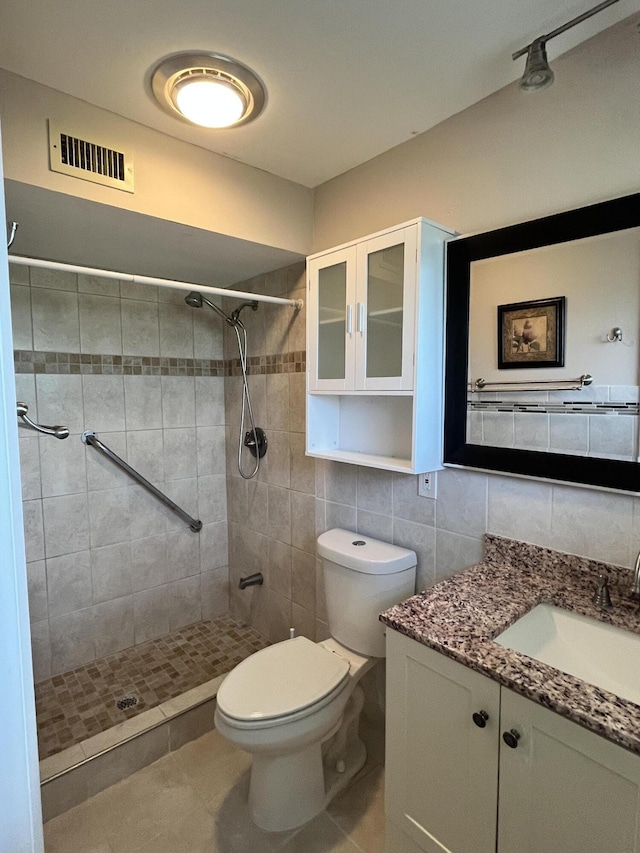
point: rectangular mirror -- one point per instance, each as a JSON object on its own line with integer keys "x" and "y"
{"x": 542, "y": 373}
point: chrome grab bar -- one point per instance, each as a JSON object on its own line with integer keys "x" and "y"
{"x": 91, "y": 438}
{"x": 56, "y": 431}
{"x": 551, "y": 384}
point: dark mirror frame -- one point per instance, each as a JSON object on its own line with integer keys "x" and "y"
{"x": 603, "y": 218}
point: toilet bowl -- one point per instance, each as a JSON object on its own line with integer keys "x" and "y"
{"x": 295, "y": 705}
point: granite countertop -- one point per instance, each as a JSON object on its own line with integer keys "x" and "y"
{"x": 461, "y": 616}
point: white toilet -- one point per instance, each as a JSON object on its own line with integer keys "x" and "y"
{"x": 295, "y": 705}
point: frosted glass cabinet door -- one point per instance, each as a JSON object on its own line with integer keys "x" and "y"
{"x": 331, "y": 336}
{"x": 385, "y": 311}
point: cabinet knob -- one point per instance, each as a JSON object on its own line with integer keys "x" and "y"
{"x": 480, "y": 719}
{"x": 511, "y": 738}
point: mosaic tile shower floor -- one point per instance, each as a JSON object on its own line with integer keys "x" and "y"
{"x": 82, "y": 702}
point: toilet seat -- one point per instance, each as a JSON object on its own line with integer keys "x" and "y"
{"x": 282, "y": 683}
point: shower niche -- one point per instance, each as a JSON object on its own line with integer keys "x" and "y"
{"x": 375, "y": 349}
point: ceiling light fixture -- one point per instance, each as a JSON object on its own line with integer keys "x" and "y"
{"x": 537, "y": 72}
{"x": 208, "y": 89}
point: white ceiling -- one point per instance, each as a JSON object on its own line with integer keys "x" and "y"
{"x": 346, "y": 79}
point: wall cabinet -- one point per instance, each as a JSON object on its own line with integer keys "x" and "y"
{"x": 455, "y": 786}
{"x": 374, "y": 349}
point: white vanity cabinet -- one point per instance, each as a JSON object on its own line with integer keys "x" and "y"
{"x": 453, "y": 786}
{"x": 375, "y": 311}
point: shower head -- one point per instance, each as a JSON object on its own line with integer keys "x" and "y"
{"x": 194, "y": 299}
{"x": 537, "y": 72}
{"x": 197, "y": 300}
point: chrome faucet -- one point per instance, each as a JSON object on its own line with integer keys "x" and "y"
{"x": 635, "y": 585}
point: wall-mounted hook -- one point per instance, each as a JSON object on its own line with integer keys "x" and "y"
{"x": 616, "y": 335}
{"x": 12, "y": 234}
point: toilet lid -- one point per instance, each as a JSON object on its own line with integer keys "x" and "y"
{"x": 280, "y": 680}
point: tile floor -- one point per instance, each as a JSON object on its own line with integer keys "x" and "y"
{"x": 194, "y": 801}
{"x": 78, "y": 704}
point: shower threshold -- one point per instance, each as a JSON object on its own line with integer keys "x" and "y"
{"x": 99, "y": 723}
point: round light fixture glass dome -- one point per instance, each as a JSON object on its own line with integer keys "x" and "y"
{"x": 208, "y": 89}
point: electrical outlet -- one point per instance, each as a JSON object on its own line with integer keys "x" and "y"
{"x": 428, "y": 485}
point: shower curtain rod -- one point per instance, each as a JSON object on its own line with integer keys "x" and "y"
{"x": 159, "y": 282}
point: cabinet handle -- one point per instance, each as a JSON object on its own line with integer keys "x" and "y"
{"x": 480, "y": 719}
{"x": 349, "y": 319}
{"x": 361, "y": 317}
{"x": 511, "y": 738}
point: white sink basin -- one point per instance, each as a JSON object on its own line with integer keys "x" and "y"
{"x": 592, "y": 651}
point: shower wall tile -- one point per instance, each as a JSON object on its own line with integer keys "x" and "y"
{"x": 55, "y": 279}
{"x": 212, "y": 498}
{"x": 257, "y": 506}
{"x": 109, "y": 517}
{"x": 183, "y": 554}
{"x": 100, "y": 325}
{"x": 145, "y": 453}
{"x": 214, "y": 591}
{"x": 114, "y": 626}
{"x": 297, "y": 402}
{"x": 102, "y": 473}
{"x": 98, "y": 285}
{"x": 75, "y": 499}
{"x": 103, "y": 398}
{"x": 179, "y": 453}
{"x": 280, "y": 514}
{"x": 185, "y": 494}
{"x": 21, "y": 317}
{"x": 60, "y": 401}
{"x": 303, "y": 621}
{"x": 207, "y": 334}
{"x": 30, "y": 466}
{"x": 214, "y": 547}
{"x": 143, "y": 402}
{"x": 303, "y": 477}
{"x": 19, "y": 274}
{"x": 176, "y": 330}
{"x": 134, "y": 290}
{"x": 178, "y": 402}
{"x": 303, "y": 523}
{"x": 37, "y": 589}
{"x": 55, "y": 320}
{"x": 279, "y": 462}
{"x": 72, "y": 639}
{"x": 66, "y": 524}
{"x": 185, "y": 603}
{"x": 303, "y": 579}
{"x": 150, "y": 614}
{"x": 210, "y": 450}
{"x": 69, "y": 583}
{"x": 148, "y": 516}
{"x": 277, "y": 401}
{"x": 140, "y": 328}
{"x": 149, "y": 562}
{"x": 210, "y": 401}
{"x": 41, "y": 650}
{"x": 111, "y": 572}
{"x": 33, "y": 530}
{"x": 62, "y": 466}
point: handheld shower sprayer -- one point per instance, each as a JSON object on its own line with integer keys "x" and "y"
{"x": 255, "y": 439}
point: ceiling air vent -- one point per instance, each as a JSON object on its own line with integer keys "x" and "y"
{"x": 78, "y": 155}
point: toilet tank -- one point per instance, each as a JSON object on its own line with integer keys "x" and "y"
{"x": 363, "y": 577}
